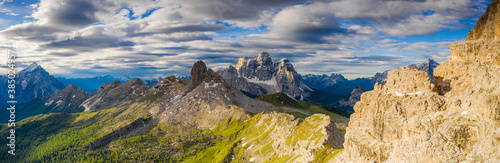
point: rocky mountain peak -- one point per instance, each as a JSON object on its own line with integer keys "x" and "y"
{"x": 111, "y": 94}
{"x": 71, "y": 86}
{"x": 428, "y": 66}
{"x": 259, "y": 75}
{"x": 487, "y": 27}
{"x": 31, "y": 67}
{"x": 200, "y": 74}
{"x": 135, "y": 82}
{"x": 284, "y": 64}
{"x": 264, "y": 58}
{"x": 31, "y": 82}
{"x": 69, "y": 99}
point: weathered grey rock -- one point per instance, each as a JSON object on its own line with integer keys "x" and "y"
{"x": 259, "y": 75}
{"x": 69, "y": 99}
{"x": 111, "y": 94}
{"x": 231, "y": 77}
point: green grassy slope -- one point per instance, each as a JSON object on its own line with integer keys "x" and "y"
{"x": 63, "y": 137}
{"x": 238, "y": 134}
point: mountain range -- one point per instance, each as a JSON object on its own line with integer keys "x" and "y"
{"x": 259, "y": 75}
{"x": 31, "y": 82}
{"x": 94, "y": 83}
{"x": 429, "y": 112}
{"x": 129, "y": 111}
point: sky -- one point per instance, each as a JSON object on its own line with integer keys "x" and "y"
{"x": 150, "y": 38}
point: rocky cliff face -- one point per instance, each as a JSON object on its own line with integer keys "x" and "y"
{"x": 69, "y": 98}
{"x": 456, "y": 120}
{"x": 487, "y": 28}
{"x": 259, "y": 75}
{"x": 200, "y": 74}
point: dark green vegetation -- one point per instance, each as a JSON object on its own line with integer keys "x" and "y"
{"x": 112, "y": 135}
{"x": 326, "y": 98}
{"x": 35, "y": 107}
{"x": 63, "y": 137}
{"x": 342, "y": 88}
{"x": 309, "y": 107}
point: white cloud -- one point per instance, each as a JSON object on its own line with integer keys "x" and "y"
{"x": 84, "y": 37}
{"x": 303, "y": 23}
{"x": 408, "y": 18}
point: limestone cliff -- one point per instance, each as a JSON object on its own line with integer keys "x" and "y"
{"x": 456, "y": 120}
{"x": 487, "y": 27}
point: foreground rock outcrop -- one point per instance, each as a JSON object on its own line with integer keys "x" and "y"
{"x": 456, "y": 120}
{"x": 275, "y": 137}
{"x": 278, "y": 137}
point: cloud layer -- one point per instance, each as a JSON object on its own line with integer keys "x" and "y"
{"x": 151, "y": 38}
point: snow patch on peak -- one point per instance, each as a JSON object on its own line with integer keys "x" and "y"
{"x": 32, "y": 67}
{"x": 255, "y": 80}
{"x": 48, "y": 102}
{"x": 284, "y": 60}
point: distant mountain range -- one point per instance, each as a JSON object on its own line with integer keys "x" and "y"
{"x": 93, "y": 84}
{"x": 123, "y": 110}
{"x": 254, "y": 76}
{"x": 352, "y": 89}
